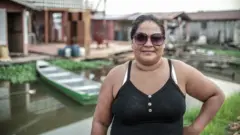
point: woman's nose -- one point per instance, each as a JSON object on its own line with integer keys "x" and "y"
{"x": 148, "y": 43}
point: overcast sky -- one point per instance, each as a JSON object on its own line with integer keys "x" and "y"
{"x": 132, "y": 6}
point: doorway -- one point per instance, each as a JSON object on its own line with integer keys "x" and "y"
{"x": 15, "y": 32}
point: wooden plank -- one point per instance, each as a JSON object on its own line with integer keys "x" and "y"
{"x": 70, "y": 80}
{"x": 58, "y": 74}
{"x": 85, "y": 88}
{"x": 49, "y": 69}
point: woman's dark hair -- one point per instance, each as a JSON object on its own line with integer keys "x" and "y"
{"x": 142, "y": 18}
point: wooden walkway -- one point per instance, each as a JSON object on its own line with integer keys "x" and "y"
{"x": 50, "y": 51}
{"x": 95, "y": 53}
{"x": 25, "y": 59}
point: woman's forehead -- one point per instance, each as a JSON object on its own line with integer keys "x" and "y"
{"x": 149, "y": 27}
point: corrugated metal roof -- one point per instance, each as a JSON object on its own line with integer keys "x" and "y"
{"x": 24, "y": 4}
{"x": 161, "y": 16}
{"x": 100, "y": 16}
{"x": 215, "y": 15}
{"x": 210, "y": 15}
{"x": 65, "y": 4}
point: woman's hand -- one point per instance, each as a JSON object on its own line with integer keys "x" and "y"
{"x": 189, "y": 130}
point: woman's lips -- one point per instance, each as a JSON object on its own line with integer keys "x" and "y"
{"x": 147, "y": 51}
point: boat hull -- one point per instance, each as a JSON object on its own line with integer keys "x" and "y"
{"x": 82, "y": 99}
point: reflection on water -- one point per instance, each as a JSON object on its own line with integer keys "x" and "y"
{"x": 47, "y": 109}
{"x": 22, "y": 113}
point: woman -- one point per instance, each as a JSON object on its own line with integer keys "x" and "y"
{"x": 146, "y": 96}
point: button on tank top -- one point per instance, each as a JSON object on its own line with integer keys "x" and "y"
{"x": 136, "y": 113}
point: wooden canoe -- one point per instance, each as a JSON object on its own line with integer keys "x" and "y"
{"x": 75, "y": 86}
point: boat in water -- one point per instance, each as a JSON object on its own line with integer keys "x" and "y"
{"x": 75, "y": 86}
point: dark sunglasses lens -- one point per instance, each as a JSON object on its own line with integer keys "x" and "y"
{"x": 141, "y": 39}
{"x": 157, "y": 39}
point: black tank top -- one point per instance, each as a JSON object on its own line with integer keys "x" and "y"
{"x": 136, "y": 113}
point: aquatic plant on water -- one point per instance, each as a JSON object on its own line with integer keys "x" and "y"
{"x": 228, "y": 113}
{"x": 71, "y": 65}
{"x": 18, "y": 73}
{"x": 233, "y": 53}
{"x": 27, "y": 72}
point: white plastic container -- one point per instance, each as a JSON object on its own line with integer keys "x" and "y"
{"x": 68, "y": 52}
{"x": 82, "y": 51}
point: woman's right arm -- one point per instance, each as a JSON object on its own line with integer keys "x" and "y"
{"x": 102, "y": 117}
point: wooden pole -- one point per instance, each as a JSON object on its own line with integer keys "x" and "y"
{"x": 46, "y": 24}
{"x": 104, "y": 21}
{"x": 87, "y": 31}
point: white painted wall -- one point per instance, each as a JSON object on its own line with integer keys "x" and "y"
{"x": 214, "y": 28}
{"x": 236, "y": 38}
{"x": 3, "y": 27}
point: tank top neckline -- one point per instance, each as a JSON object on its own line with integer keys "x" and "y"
{"x": 160, "y": 90}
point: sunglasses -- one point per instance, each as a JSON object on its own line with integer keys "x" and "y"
{"x": 157, "y": 39}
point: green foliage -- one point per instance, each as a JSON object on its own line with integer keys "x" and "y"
{"x": 18, "y": 73}
{"x": 71, "y": 65}
{"x": 228, "y": 113}
{"x": 27, "y": 72}
{"x": 233, "y": 53}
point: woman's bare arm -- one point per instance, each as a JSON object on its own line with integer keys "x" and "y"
{"x": 103, "y": 116}
{"x": 203, "y": 89}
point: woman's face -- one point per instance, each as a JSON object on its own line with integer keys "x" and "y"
{"x": 148, "y": 43}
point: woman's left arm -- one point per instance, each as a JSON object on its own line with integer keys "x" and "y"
{"x": 203, "y": 89}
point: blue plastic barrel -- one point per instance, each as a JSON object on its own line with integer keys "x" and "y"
{"x": 61, "y": 52}
{"x": 75, "y": 50}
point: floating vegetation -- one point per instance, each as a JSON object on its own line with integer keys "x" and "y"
{"x": 71, "y": 65}
{"x": 18, "y": 73}
{"x": 232, "y": 53}
{"x": 27, "y": 72}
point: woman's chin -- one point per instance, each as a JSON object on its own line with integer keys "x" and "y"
{"x": 149, "y": 60}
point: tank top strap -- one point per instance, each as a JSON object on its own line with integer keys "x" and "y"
{"x": 172, "y": 71}
{"x": 129, "y": 70}
{"x": 127, "y": 73}
{"x": 170, "y": 67}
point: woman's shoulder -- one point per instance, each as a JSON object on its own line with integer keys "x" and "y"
{"x": 117, "y": 71}
{"x": 179, "y": 63}
{"x": 183, "y": 67}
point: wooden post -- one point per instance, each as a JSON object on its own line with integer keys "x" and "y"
{"x": 87, "y": 31}
{"x": 64, "y": 26}
{"x": 105, "y": 22}
{"x": 46, "y": 30}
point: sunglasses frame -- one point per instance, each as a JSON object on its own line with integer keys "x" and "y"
{"x": 149, "y": 37}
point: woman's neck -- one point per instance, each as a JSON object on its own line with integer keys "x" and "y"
{"x": 149, "y": 67}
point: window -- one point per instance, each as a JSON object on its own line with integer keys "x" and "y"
{"x": 204, "y": 25}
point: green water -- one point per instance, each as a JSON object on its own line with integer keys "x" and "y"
{"x": 46, "y": 110}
